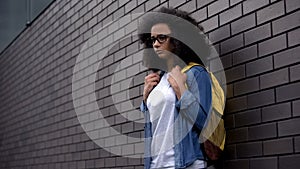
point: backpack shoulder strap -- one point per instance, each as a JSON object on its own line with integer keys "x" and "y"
{"x": 190, "y": 65}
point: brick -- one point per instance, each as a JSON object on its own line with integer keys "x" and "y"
{"x": 151, "y": 4}
{"x": 272, "y": 45}
{"x": 242, "y": 24}
{"x": 237, "y": 135}
{"x": 112, "y": 7}
{"x": 263, "y": 163}
{"x": 278, "y": 146}
{"x": 263, "y": 131}
{"x": 246, "y": 86}
{"x": 252, "y": 5}
{"x": 219, "y": 34}
{"x": 292, "y": 5}
{"x": 80, "y": 164}
{"x": 132, "y": 48}
{"x": 229, "y": 121}
{"x": 127, "y": 127}
{"x": 258, "y": 34}
{"x": 121, "y": 161}
{"x": 119, "y": 13}
{"x": 270, "y": 12}
{"x": 119, "y": 55}
{"x": 134, "y": 161}
{"x": 130, "y": 6}
{"x": 248, "y": 117}
{"x": 217, "y": 7}
{"x": 131, "y": 27}
{"x": 139, "y": 79}
{"x": 229, "y": 92}
{"x": 106, "y": 3}
{"x": 237, "y": 164}
{"x": 230, "y": 152}
{"x": 143, "y": 1}
{"x": 202, "y": 3}
{"x": 121, "y": 3}
{"x": 99, "y": 163}
{"x": 230, "y": 14}
{"x": 290, "y": 161}
{"x": 286, "y": 23}
{"x": 233, "y": 2}
{"x": 200, "y": 15}
{"x": 134, "y": 92}
{"x": 251, "y": 149}
{"x": 245, "y": 54}
{"x": 274, "y": 78}
{"x": 261, "y": 98}
{"x": 235, "y": 73}
{"x": 296, "y": 108}
{"x": 189, "y": 6}
{"x": 110, "y": 162}
{"x": 232, "y": 44}
{"x": 210, "y": 24}
{"x": 288, "y": 92}
{"x": 226, "y": 61}
{"x": 289, "y": 127}
{"x": 175, "y": 3}
{"x": 287, "y": 57}
{"x": 236, "y": 104}
{"x": 132, "y": 70}
{"x": 293, "y": 37}
{"x": 90, "y": 163}
{"x": 259, "y": 66}
{"x": 218, "y": 64}
{"x": 128, "y": 150}
{"x": 276, "y": 112}
{"x": 297, "y": 144}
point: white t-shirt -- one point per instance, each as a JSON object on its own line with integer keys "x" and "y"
{"x": 161, "y": 106}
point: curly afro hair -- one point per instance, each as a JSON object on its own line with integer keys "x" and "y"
{"x": 186, "y": 35}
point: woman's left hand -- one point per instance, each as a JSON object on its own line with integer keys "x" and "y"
{"x": 177, "y": 80}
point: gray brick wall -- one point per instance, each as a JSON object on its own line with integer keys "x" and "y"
{"x": 258, "y": 42}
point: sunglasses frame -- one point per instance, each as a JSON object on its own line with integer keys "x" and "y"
{"x": 164, "y": 37}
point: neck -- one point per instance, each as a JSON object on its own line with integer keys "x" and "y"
{"x": 170, "y": 64}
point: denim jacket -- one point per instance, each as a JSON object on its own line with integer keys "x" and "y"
{"x": 190, "y": 116}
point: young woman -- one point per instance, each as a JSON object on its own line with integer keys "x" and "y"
{"x": 175, "y": 104}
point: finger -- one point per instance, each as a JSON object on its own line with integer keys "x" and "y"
{"x": 176, "y": 70}
{"x": 153, "y": 75}
{"x": 178, "y": 67}
{"x": 150, "y": 76}
{"x": 150, "y": 86}
{"x": 185, "y": 76}
{"x": 171, "y": 80}
{"x": 154, "y": 79}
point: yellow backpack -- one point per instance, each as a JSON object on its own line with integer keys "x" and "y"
{"x": 213, "y": 134}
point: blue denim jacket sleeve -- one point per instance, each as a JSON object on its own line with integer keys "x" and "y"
{"x": 148, "y": 136}
{"x": 195, "y": 103}
{"x": 143, "y": 107}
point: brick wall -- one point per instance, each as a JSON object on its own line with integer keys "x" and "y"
{"x": 258, "y": 42}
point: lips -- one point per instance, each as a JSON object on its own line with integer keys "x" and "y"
{"x": 159, "y": 52}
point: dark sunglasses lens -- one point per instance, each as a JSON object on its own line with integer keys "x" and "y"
{"x": 153, "y": 39}
{"x": 161, "y": 38}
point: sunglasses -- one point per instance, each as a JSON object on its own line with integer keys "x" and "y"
{"x": 160, "y": 38}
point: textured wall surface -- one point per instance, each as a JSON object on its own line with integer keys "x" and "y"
{"x": 259, "y": 45}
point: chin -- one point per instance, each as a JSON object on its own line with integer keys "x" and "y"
{"x": 163, "y": 56}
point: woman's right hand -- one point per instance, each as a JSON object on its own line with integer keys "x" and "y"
{"x": 151, "y": 80}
